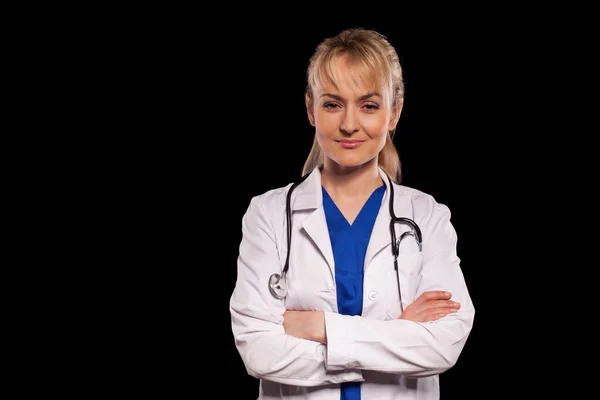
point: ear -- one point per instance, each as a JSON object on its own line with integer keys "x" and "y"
{"x": 309, "y": 108}
{"x": 395, "y": 116}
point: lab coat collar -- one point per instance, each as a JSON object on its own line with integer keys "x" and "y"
{"x": 309, "y": 195}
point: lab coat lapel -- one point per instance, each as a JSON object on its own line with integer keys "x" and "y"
{"x": 310, "y": 196}
{"x": 315, "y": 226}
{"x": 380, "y": 237}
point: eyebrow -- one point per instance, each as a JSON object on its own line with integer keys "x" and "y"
{"x": 363, "y": 97}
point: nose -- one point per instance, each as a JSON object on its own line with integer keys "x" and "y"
{"x": 349, "y": 123}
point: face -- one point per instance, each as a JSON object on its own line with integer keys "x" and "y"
{"x": 351, "y": 120}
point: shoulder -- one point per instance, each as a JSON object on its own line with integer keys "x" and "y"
{"x": 425, "y": 206}
{"x": 268, "y": 203}
{"x": 274, "y": 197}
{"x": 265, "y": 214}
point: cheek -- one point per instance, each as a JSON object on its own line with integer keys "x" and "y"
{"x": 377, "y": 133}
{"x": 326, "y": 124}
{"x": 325, "y": 142}
{"x": 327, "y": 129}
{"x": 375, "y": 126}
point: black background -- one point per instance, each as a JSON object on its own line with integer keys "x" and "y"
{"x": 214, "y": 117}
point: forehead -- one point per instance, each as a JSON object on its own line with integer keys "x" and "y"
{"x": 343, "y": 75}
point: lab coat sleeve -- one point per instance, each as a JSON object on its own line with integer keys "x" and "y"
{"x": 257, "y": 317}
{"x": 401, "y": 346}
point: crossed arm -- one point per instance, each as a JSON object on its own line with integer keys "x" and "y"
{"x": 429, "y": 306}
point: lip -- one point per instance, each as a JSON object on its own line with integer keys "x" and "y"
{"x": 350, "y": 144}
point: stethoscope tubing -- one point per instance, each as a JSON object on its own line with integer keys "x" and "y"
{"x": 278, "y": 282}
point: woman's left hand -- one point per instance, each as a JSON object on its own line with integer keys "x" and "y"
{"x": 308, "y": 325}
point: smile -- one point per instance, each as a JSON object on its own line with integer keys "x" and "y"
{"x": 350, "y": 144}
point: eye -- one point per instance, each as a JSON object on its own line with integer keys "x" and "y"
{"x": 371, "y": 107}
{"x": 330, "y": 105}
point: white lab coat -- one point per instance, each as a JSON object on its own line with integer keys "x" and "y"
{"x": 395, "y": 359}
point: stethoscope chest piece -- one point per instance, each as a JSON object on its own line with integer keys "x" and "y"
{"x": 277, "y": 286}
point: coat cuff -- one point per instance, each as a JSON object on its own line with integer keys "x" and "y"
{"x": 339, "y": 343}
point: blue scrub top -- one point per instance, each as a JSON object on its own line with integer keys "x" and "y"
{"x": 349, "y": 244}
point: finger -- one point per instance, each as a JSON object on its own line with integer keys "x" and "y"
{"x": 424, "y": 305}
{"x": 434, "y": 295}
{"x": 434, "y": 317}
{"x": 441, "y": 304}
{"x": 439, "y": 312}
{"x": 435, "y": 314}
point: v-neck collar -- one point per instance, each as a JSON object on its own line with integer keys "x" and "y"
{"x": 338, "y": 222}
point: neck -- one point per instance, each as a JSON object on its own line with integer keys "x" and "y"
{"x": 350, "y": 181}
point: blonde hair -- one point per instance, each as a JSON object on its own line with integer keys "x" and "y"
{"x": 374, "y": 60}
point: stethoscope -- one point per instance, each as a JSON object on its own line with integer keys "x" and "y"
{"x": 278, "y": 282}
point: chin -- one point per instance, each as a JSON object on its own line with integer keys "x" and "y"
{"x": 350, "y": 162}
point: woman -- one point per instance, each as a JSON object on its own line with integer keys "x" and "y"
{"x": 351, "y": 325}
